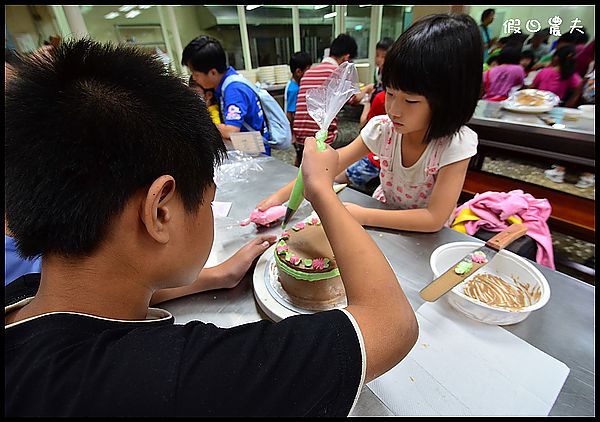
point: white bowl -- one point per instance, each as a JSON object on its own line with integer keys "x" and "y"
{"x": 505, "y": 264}
{"x": 588, "y": 110}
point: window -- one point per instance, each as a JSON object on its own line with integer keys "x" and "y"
{"x": 316, "y": 30}
{"x": 270, "y": 33}
{"x": 393, "y": 21}
{"x": 358, "y": 25}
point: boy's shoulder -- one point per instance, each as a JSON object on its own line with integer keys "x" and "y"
{"x": 156, "y": 367}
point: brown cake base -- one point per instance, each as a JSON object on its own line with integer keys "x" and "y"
{"x": 313, "y": 295}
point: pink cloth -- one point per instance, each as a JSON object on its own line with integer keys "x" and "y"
{"x": 499, "y": 80}
{"x": 548, "y": 79}
{"x": 495, "y": 207}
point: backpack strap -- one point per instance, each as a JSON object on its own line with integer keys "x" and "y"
{"x": 240, "y": 78}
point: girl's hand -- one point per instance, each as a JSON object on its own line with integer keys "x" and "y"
{"x": 359, "y": 213}
{"x": 319, "y": 168}
{"x": 268, "y": 202}
{"x": 237, "y": 266}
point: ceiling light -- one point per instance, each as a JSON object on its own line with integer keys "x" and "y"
{"x": 320, "y": 6}
{"x": 253, "y": 6}
{"x": 330, "y": 15}
{"x": 144, "y": 7}
{"x": 132, "y": 14}
{"x": 125, "y": 8}
{"x": 358, "y": 27}
{"x": 363, "y": 5}
{"x": 111, "y": 15}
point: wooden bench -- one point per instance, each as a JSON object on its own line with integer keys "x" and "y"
{"x": 571, "y": 215}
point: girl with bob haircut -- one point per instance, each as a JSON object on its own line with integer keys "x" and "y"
{"x": 432, "y": 77}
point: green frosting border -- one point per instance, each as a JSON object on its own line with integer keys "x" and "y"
{"x": 302, "y": 275}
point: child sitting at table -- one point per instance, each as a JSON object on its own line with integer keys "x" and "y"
{"x": 500, "y": 81}
{"x": 432, "y": 76}
{"x": 116, "y": 198}
{"x": 560, "y": 76}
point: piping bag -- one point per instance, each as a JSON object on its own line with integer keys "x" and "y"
{"x": 323, "y": 104}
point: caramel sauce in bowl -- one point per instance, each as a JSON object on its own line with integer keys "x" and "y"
{"x": 503, "y": 292}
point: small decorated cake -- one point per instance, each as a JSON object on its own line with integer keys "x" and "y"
{"x": 307, "y": 269}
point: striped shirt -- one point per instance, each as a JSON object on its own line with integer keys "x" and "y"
{"x": 304, "y": 125}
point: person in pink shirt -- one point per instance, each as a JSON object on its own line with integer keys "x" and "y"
{"x": 499, "y": 81}
{"x": 560, "y": 76}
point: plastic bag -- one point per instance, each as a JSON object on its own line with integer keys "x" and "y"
{"x": 325, "y": 102}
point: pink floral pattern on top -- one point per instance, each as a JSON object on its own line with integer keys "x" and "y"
{"x": 405, "y": 194}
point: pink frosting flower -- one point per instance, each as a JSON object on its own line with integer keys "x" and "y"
{"x": 285, "y": 234}
{"x": 294, "y": 260}
{"x": 299, "y": 226}
{"x": 282, "y": 248}
{"x": 314, "y": 220}
{"x": 318, "y": 263}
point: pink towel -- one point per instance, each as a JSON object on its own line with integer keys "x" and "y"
{"x": 495, "y": 207}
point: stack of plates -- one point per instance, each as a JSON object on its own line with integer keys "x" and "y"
{"x": 251, "y": 75}
{"x": 282, "y": 74}
{"x": 266, "y": 74}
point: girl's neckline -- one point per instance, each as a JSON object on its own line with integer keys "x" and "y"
{"x": 421, "y": 157}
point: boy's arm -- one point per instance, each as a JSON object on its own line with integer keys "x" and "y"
{"x": 227, "y": 130}
{"x": 226, "y": 275}
{"x": 375, "y": 298}
{"x": 442, "y": 202}
{"x": 347, "y": 155}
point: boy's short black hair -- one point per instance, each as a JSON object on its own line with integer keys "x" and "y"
{"x": 343, "y": 44}
{"x": 12, "y": 57}
{"x": 439, "y": 57}
{"x": 204, "y": 53}
{"x": 486, "y": 13}
{"x": 384, "y": 44}
{"x": 300, "y": 60}
{"x": 510, "y": 54}
{"x": 89, "y": 128}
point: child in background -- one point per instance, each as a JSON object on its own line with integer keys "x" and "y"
{"x": 432, "y": 76}
{"x": 300, "y": 62}
{"x": 508, "y": 76}
{"x": 527, "y": 61}
{"x": 560, "y": 76}
{"x": 209, "y": 98}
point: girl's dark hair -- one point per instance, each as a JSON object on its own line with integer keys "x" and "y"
{"x": 439, "y": 57}
{"x": 204, "y": 53}
{"x": 566, "y": 60}
{"x": 12, "y": 57}
{"x": 528, "y": 54}
{"x": 510, "y": 55}
{"x": 89, "y": 128}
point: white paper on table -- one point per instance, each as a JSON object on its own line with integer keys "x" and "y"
{"x": 463, "y": 367}
{"x": 221, "y": 209}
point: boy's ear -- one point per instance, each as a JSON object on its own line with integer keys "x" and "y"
{"x": 155, "y": 210}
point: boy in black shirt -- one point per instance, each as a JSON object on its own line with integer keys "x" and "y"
{"x": 109, "y": 167}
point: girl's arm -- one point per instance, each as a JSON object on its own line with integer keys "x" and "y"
{"x": 442, "y": 202}
{"x": 347, "y": 155}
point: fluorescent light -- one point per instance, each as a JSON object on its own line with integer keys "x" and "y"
{"x": 253, "y": 6}
{"x": 363, "y": 5}
{"x": 126, "y": 8}
{"x": 144, "y": 7}
{"x": 358, "y": 27}
{"x": 320, "y": 6}
{"x": 111, "y": 15}
{"x": 132, "y": 14}
{"x": 330, "y": 15}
